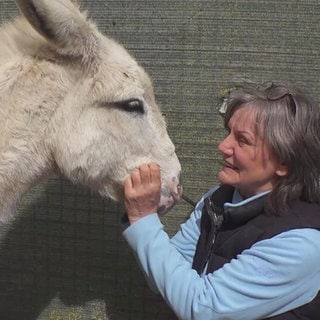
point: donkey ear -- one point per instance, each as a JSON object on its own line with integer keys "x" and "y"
{"x": 62, "y": 24}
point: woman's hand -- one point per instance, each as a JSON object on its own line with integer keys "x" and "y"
{"x": 142, "y": 191}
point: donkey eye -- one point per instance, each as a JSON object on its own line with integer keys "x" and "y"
{"x": 131, "y": 105}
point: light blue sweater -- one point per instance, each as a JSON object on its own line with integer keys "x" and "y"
{"x": 273, "y": 276}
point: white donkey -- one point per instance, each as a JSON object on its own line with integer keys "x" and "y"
{"x": 74, "y": 102}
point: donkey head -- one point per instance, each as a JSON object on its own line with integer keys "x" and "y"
{"x": 104, "y": 118}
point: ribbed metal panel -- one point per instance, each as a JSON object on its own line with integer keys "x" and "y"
{"x": 65, "y": 258}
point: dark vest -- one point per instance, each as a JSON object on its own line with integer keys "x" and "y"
{"x": 225, "y": 234}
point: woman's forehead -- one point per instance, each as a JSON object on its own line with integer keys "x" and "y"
{"x": 244, "y": 115}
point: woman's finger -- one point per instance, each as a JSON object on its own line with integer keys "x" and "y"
{"x": 144, "y": 174}
{"x": 155, "y": 175}
{"x": 135, "y": 178}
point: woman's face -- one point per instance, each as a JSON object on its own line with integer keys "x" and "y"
{"x": 247, "y": 163}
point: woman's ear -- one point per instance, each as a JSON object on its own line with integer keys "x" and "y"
{"x": 282, "y": 170}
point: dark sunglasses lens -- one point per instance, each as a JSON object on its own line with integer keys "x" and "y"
{"x": 278, "y": 93}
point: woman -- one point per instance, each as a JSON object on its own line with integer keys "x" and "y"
{"x": 251, "y": 248}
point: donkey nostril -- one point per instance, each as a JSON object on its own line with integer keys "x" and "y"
{"x": 180, "y": 190}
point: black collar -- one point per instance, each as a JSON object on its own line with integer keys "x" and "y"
{"x": 232, "y": 216}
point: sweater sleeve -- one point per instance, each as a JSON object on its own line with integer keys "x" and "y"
{"x": 185, "y": 240}
{"x": 273, "y": 276}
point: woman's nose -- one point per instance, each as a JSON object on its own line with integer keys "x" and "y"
{"x": 225, "y": 146}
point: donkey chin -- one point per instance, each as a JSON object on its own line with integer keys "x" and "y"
{"x": 170, "y": 194}
{"x": 169, "y": 197}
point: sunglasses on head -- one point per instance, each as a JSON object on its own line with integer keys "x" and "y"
{"x": 277, "y": 92}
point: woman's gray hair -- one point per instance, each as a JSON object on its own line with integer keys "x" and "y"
{"x": 289, "y": 122}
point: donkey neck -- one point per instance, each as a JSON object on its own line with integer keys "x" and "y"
{"x": 18, "y": 174}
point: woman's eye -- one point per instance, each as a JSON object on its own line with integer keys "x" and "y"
{"x": 131, "y": 105}
{"x": 242, "y": 141}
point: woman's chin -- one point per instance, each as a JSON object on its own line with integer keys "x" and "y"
{"x": 225, "y": 178}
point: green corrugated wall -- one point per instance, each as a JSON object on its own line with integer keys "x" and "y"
{"x": 64, "y": 257}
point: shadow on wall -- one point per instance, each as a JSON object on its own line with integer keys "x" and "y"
{"x": 66, "y": 248}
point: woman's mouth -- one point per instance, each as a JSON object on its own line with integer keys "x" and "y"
{"x": 228, "y": 165}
